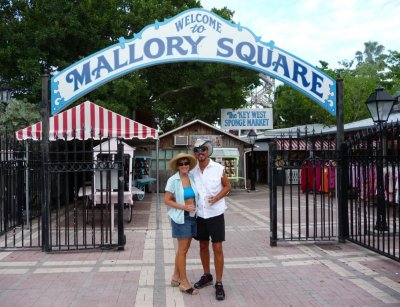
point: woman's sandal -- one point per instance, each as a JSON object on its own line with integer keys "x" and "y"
{"x": 175, "y": 283}
{"x": 190, "y": 291}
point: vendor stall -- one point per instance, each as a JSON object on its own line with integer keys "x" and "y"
{"x": 229, "y": 158}
{"x": 90, "y": 121}
{"x": 106, "y": 182}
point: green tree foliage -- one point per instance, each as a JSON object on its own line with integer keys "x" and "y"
{"x": 198, "y": 90}
{"x": 373, "y": 53}
{"x": 372, "y": 68}
{"x": 393, "y": 74}
{"x": 292, "y": 108}
{"x": 39, "y": 34}
{"x": 358, "y": 84}
{"x": 18, "y": 114}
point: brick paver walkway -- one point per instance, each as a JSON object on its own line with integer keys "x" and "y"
{"x": 291, "y": 274}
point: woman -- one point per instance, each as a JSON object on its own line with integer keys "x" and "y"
{"x": 181, "y": 196}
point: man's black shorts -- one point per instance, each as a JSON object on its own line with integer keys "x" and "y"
{"x": 213, "y": 227}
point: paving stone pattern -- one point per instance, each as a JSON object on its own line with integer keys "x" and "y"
{"x": 255, "y": 274}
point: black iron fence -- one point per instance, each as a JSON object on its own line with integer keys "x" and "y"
{"x": 372, "y": 194}
{"x": 303, "y": 188}
{"x": 20, "y": 197}
{"x": 86, "y": 181}
{"x": 320, "y": 193}
{"x": 308, "y": 199}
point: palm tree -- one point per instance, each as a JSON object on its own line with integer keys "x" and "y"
{"x": 372, "y": 52}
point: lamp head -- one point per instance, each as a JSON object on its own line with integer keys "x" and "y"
{"x": 380, "y": 104}
{"x": 252, "y": 135}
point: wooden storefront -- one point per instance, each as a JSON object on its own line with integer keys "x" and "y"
{"x": 228, "y": 150}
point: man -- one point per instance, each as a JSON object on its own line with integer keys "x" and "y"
{"x": 212, "y": 185}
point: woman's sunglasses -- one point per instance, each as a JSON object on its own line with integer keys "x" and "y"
{"x": 183, "y": 163}
{"x": 200, "y": 149}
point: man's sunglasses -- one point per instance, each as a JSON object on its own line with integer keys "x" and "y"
{"x": 200, "y": 149}
{"x": 183, "y": 163}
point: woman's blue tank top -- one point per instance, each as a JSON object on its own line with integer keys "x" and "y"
{"x": 188, "y": 193}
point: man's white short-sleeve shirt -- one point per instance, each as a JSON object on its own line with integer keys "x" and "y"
{"x": 208, "y": 183}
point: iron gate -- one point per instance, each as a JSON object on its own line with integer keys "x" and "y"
{"x": 303, "y": 203}
{"x": 319, "y": 193}
{"x": 79, "y": 214}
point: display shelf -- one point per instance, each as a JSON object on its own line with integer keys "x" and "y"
{"x": 142, "y": 167}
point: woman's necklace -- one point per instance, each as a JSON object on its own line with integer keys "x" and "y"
{"x": 185, "y": 179}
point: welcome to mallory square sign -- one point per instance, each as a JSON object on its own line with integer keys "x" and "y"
{"x": 193, "y": 35}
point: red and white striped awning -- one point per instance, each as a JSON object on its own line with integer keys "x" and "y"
{"x": 88, "y": 121}
{"x": 297, "y": 144}
{"x": 291, "y": 145}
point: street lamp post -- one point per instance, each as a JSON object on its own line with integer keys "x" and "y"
{"x": 5, "y": 95}
{"x": 252, "y": 135}
{"x": 380, "y": 104}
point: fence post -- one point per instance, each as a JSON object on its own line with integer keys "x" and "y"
{"x": 273, "y": 197}
{"x": 45, "y": 163}
{"x": 19, "y": 191}
{"x": 121, "y": 184}
{"x": 343, "y": 183}
{"x": 339, "y": 114}
{"x": 343, "y": 166}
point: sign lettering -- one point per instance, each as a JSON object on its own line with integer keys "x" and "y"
{"x": 193, "y": 35}
{"x": 243, "y": 119}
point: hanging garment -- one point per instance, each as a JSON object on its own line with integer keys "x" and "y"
{"x": 311, "y": 176}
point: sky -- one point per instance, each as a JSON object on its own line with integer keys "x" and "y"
{"x": 314, "y": 30}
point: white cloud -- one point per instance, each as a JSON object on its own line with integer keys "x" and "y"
{"x": 317, "y": 30}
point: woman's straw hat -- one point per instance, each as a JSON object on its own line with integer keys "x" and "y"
{"x": 173, "y": 163}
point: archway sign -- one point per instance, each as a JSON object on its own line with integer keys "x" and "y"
{"x": 193, "y": 35}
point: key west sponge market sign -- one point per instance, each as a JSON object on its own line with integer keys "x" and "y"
{"x": 193, "y": 35}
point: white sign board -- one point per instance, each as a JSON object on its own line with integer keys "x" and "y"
{"x": 193, "y": 35}
{"x": 244, "y": 119}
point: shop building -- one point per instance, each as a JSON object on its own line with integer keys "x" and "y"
{"x": 228, "y": 149}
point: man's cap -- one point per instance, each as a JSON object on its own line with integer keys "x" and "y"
{"x": 204, "y": 143}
